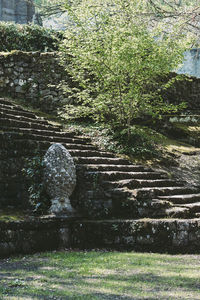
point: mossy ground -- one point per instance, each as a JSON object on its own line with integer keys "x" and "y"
{"x": 100, "y": 275}
{"x": 12, "y": 214}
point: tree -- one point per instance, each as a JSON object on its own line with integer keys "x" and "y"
{"x": 119, "y": 65}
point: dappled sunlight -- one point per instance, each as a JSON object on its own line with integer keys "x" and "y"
{"x": 101, "y": 275}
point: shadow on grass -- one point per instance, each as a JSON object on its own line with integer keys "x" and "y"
{"x": 100, "y": 276}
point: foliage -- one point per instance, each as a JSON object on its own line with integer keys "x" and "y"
{"x": 28, "y": 38}
{"x": 137, "y": 141}
{"x": 186, "y": 12}
{"x": 117, "y": 63}
{"x": 33, "y": 172}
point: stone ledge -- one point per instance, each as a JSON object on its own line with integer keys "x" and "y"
{"x": 51, "y": 233}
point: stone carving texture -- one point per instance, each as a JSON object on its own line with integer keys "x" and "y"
{"x": 59, "y": 178}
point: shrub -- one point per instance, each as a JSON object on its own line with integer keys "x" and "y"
{"x": 28, "y": 38}
{"x": 33, "y": 173}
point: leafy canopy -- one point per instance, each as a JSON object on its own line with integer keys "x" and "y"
{"x": 119, "y": 63}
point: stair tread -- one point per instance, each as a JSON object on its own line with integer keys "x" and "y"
{"x": 112, "y": 167}
{"x": 23, "y": 118}
{"x": 179, "y": 196}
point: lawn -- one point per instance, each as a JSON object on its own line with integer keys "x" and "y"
{"x": 100, "y": 275}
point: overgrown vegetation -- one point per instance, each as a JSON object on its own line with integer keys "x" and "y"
{"x": 33, "y": 173}
{"x": 28, "y": 38}
{"x": 100, "y": 275}
{"x": 117, "y": 64}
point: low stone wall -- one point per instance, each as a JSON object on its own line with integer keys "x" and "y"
{"x": 187, "y": 90}
{"x": 34, "y": 77}
{"x": 173, "y": 236}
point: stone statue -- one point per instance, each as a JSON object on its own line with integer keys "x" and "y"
{"x": 59, "y": 178}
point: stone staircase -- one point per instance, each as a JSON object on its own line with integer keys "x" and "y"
{"x": 107, "y": 186}
{"x": 122, "y": 205}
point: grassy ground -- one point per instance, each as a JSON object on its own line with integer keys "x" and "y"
{"x": 100, "y": 275}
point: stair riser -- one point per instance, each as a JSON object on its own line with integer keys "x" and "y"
{"x": 47, "y": 141}
{"x": 22, "y": 118}
{"x": 30, "y": 131}
{"x": 18, "y": 113}
{"x": 137, "y": 184}
{"x": 11, "y": 106}
{"x": 21, "y": 124}
{"x": 123, "y": 168}
{"x": 183, "y": 200}
{"x": 121, "y": 176}
{"x": 101, "y": 160}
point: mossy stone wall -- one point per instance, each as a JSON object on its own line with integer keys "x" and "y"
{"x": 34, "y": 77}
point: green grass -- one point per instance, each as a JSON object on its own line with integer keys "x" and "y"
{"x": 100, "y": 275}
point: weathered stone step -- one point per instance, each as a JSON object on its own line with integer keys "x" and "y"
{"x": 157, "y": 235}
{"x": 19, "y": 133}
{"x": 139, "y": 183}
{"x": 128, "y": 168}
{"x": 178, "y": 212}
{"x": 43, "y": 143}
{"x": 153, "y": 192}
{"x": 23, "y": 147}
{"x": 193, "y": 207}
{"x": 4, "y": 115}
{"x": 90, "y": 153}
{"x": 182, "y": 199}
{"x": 23, "y": 124}
{"x": 20, "y": 137}
{"x": 6, "y": 101}
{"x": 117, "y": 175}
{"x": 101, "y": 160}
{"x": 11, "y": 106}
{"x": 13, "y": 111}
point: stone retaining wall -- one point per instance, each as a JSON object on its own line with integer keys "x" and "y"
{"x": 34, "y": 77}
{"x": 187, "y": 90}
{"x": 173, "y": 236}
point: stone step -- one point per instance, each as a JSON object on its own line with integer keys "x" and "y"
{"x": 23, "y": 124}
{"x": 43, "y": 144}
{"x": 5, "y": 101}
{"x": 152, "y": 193}
{"x": 155, "y": 235}
{"x": 19, "y": 133}
{"x": 182, "y": 199}
{"x": 13, "y": 111}
{"x": 197, "y": 215}
{"x": 117, "y": 175}
{"x": 193, "y": 207}
{"x": 178, "y": 212}
{"x": 11, "y": 106}
{"x": 101, "y": 160}
{"x": 140, "y": 183}
{"x": 128, "y": 168}
{"x": 20, "y": 137}
{"x": 90, "y": 153}
{"x": 4, "y": 115}
{"x": 31, "y": 146}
